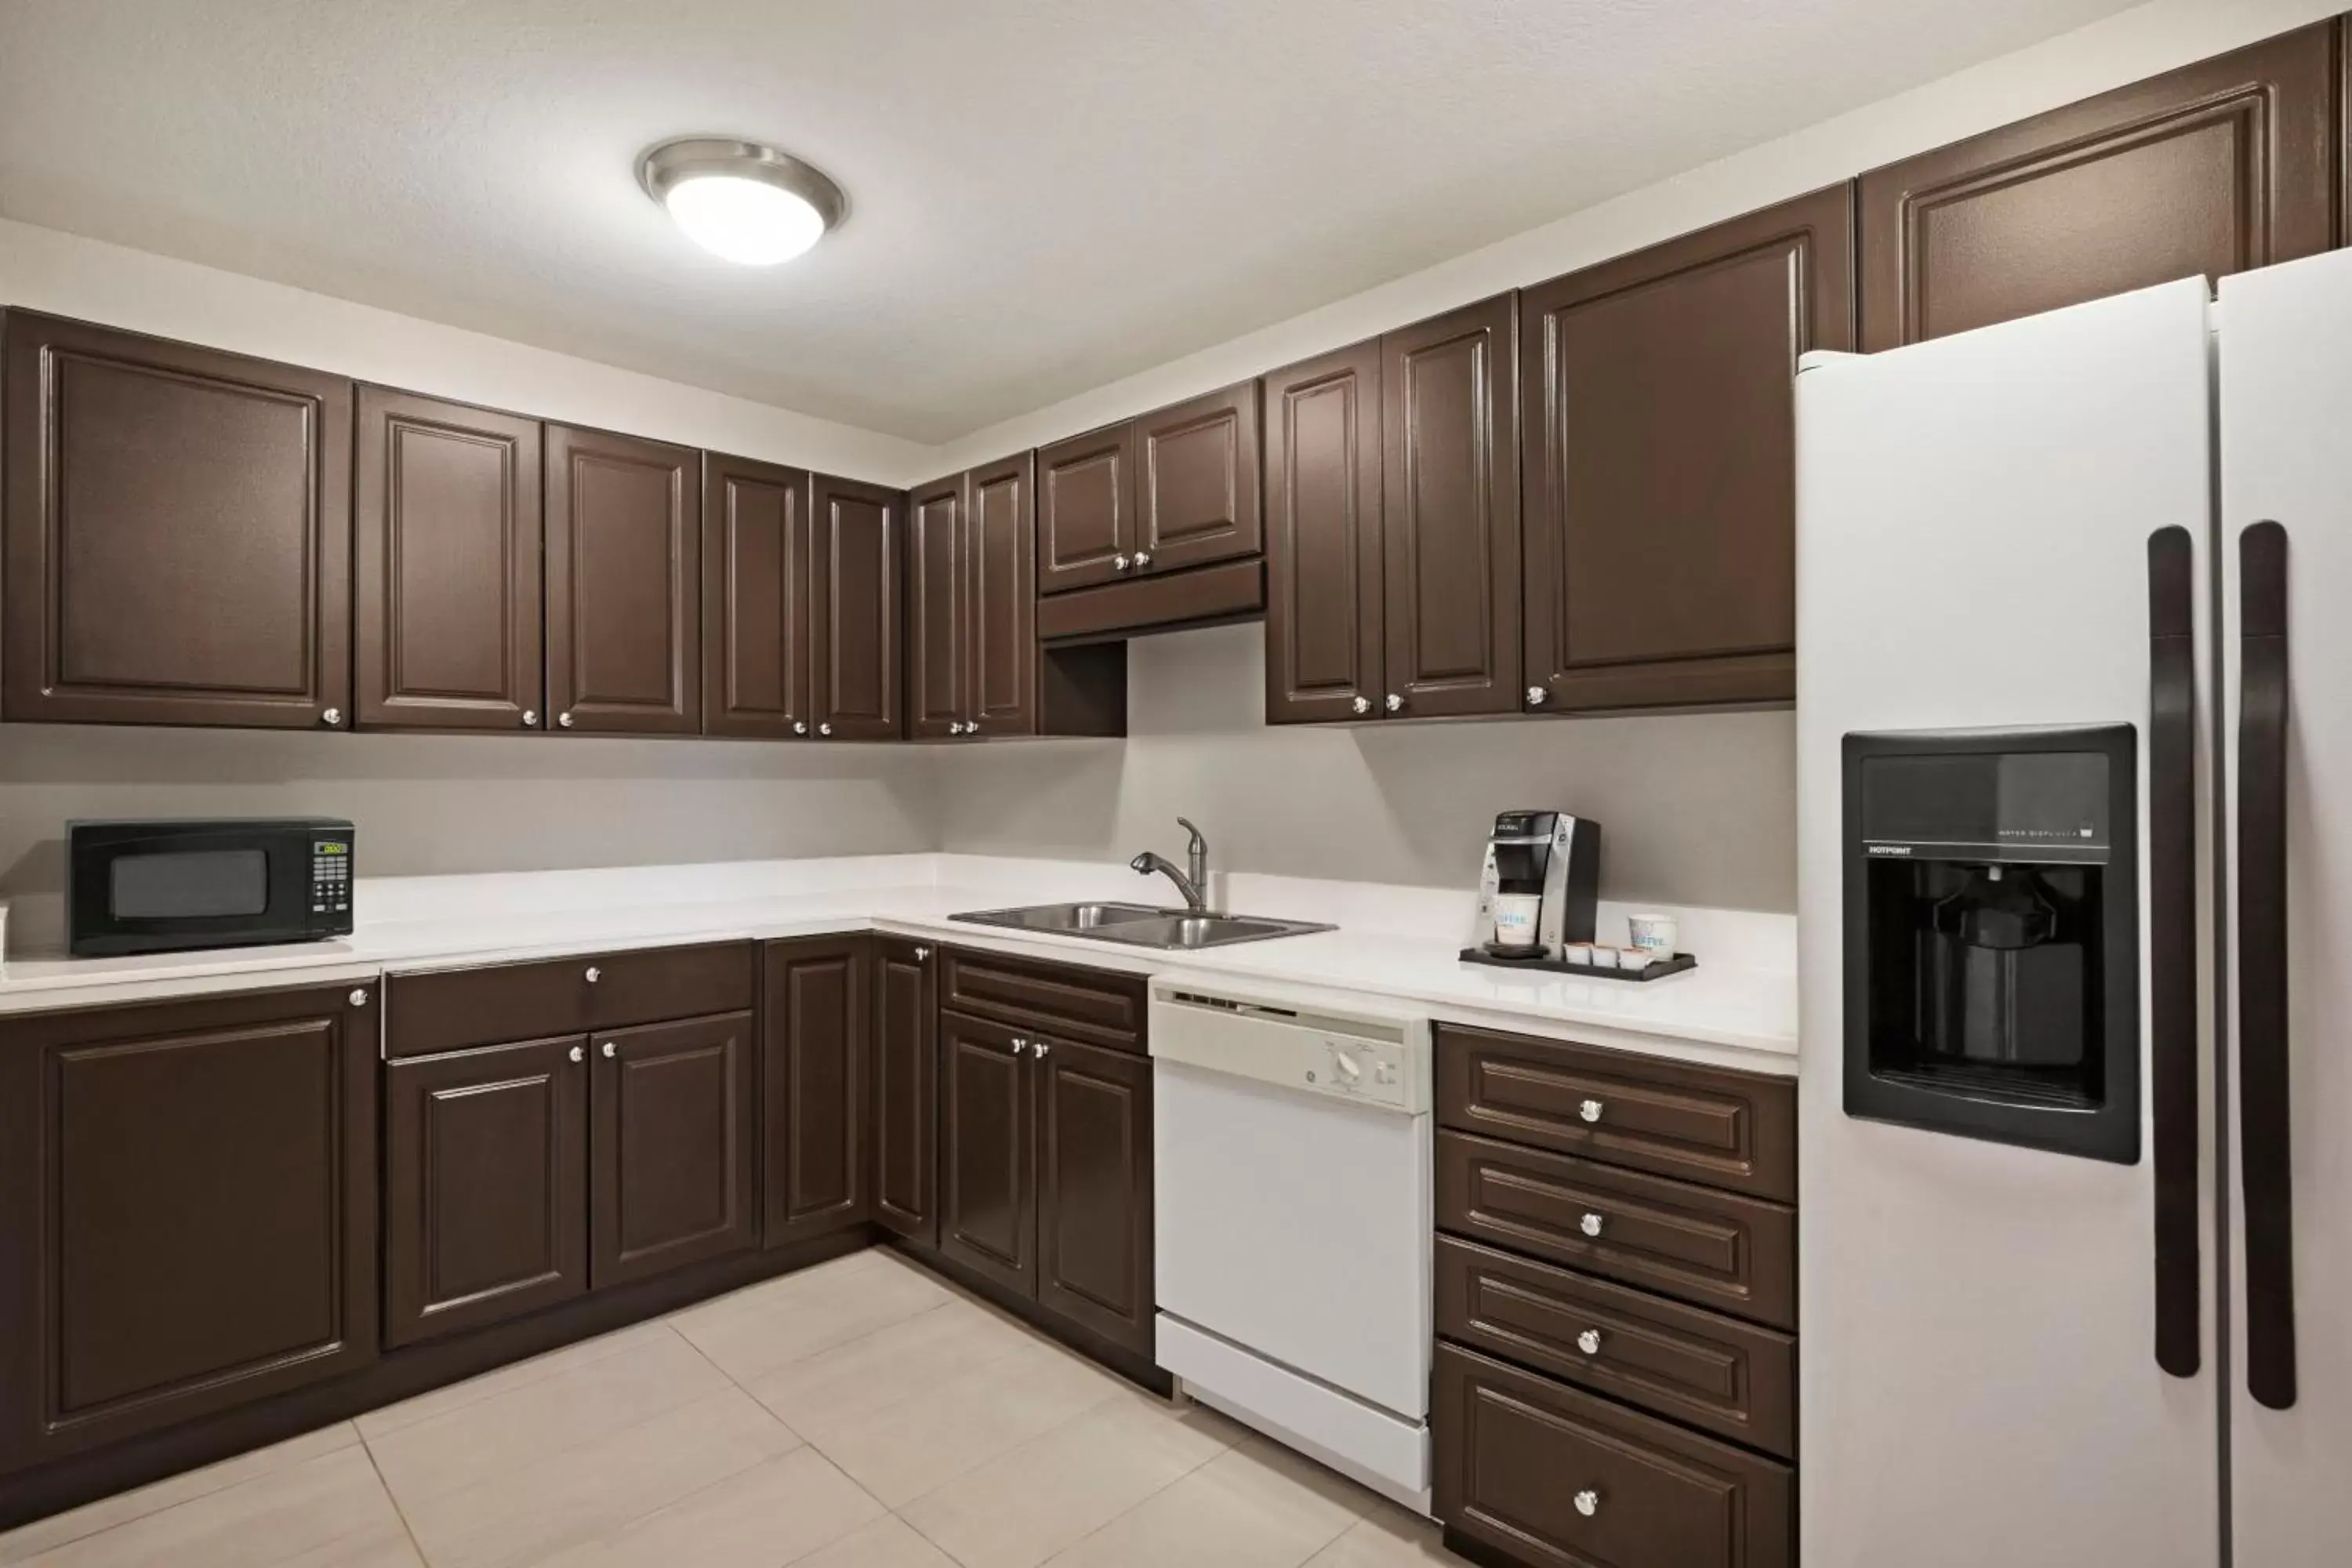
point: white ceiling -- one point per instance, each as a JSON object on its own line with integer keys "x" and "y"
{"x": 1046, "y": 195}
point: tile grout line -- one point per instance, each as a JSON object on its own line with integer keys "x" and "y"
{"x": 392, "y": 1498}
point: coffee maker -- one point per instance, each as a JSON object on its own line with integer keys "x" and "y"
{"x": 1547, "y": 856}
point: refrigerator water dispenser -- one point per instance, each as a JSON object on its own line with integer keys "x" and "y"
{"x": 1992, "y": 935}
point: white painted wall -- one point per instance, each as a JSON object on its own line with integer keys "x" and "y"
{"x": 71, "y": 276}
{"x": 2124, "y": 48}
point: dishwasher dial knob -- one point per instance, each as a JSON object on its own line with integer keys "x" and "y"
{"x": 1351, "y": 1071}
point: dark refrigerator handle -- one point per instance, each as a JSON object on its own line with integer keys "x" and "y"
{"x": 2172, "y": 942}
{"x": 2265, "y": 1171}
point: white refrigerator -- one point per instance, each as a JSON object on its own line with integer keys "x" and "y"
{"x": 2075, "y": 719}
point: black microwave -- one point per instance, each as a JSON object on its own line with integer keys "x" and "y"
{"x": 162, "y": 886}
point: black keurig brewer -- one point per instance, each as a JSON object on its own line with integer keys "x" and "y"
{"x": 1539, "y": 885}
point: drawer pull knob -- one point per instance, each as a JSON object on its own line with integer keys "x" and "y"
{"x": 1588, "y": 1502}
{"x": 1589, "y": 1225}
{"x": 593, "y": 974}
{"x": 1588, "y": 1342}
{"x": 1589, "y": 1110}
{"x": 359, "y": 997}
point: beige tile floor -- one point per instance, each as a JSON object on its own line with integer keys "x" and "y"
{"x": 859, "y": 1414}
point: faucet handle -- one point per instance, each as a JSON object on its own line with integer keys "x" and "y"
{"x": 1198, "y": 842}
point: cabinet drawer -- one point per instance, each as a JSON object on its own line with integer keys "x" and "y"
{"x": 1731, "y": 1378}
{"x": 1097, "y": 1005}
{"x": 1714, "y": 1248}
{"x": 450, "y": 1009}
{"x": 1516, "y": 1454}
{"x": 1730, "y": 1130}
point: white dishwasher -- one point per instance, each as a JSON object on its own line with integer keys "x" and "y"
{"x": 1291, "y": 1163}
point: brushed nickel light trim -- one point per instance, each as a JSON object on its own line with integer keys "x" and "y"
{"x": 672, "y": 164}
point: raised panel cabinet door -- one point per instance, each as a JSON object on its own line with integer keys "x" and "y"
{"x": 1196, "y": 476}
{"x": 448, "y": 565}
{"x": 755, "y": 598}
{"x": 1326, "y": 655}
{"x": 190, "y": 1193}
{"x": 906, "y": 1091}
{"x": 624, "y": 584}
{"x": 1000, "y": 555}
{"x": 672, "y": 1157}
{"x": 486, "y": 1185}
{"x": 857, "y": 561}
{"x": 1661, "y": 477}
{"x": 1086, "y": 509}
{"x": 1450, "y": 513}
{"x": 817, "y": 1027}
{"x": 2231, "y": 164}
{"x": 937, "y": 639}
{"x": 988, "y": 1178}
{"x": 178, "y": 532}
{"x": 1094, "y": 1189}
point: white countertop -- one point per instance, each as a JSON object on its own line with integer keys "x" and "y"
{"x": 1728, "y": 1012}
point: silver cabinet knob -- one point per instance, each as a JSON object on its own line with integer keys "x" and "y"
{"x": 800, "y": 726}
{"x": 332, "y": 716}
{"x": 1037, "y": 1049}
{"x": 1120, "y": 562}
{"x": 1588, "y": 1502}
{"x": 1396, "y": 703}
{"x": 972, "y": 726}
{"x": 1142, "y": 559}
{"x": 922, "y": 955}
{"x": 1589, "y": 1225}
{"x": 955, "y": 726}
{"x": 359, "y": 997}
{"x": 1019, "y": 1045}
{"x": 564, "y": 720}
{"x": 1537, "y": 696}
{"x": 611, "y": 1050}
{"x": 595, "y": 975}
{"x": 579, "y": 1055}
{"x": 1363, "y": 704}
{"x": 530, "y": 717}
{"x": 825, "y": 729}
{"x": 1588, "y": 1342}
{"x": 1589, "y": 1110}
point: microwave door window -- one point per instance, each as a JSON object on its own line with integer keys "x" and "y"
{"x": 213, "y": 883}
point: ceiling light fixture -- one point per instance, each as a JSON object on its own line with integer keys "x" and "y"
{"x": 748, "y": 203}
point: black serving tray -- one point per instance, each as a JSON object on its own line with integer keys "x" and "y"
{"x": 1658, "y": 970}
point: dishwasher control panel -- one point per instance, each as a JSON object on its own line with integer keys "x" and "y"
{"x": 1380, "y": 1063}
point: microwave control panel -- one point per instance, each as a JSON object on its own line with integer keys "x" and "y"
{"x": 331, "y": 881}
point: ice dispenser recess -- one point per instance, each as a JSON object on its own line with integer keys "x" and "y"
{"x": 1992, "y": 935}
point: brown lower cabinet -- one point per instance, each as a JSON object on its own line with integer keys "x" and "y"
{"x": 187, "y": 1211}
{"x": 815, "y": 1027}
{"x": 988, "y": 1162}
{"x": 672, "y": 1147}
{"x": 906, "y": 1130}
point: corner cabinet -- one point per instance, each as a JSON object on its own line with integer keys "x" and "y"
{"x": 624, "y": 584}
{"x": 972, "y": 632}
{"x": 905, "y": 1126}
{"x": 177, "y": 524}
{"x": 1661, "y": 470}
{"x": 1392, "y": 473}
{"x": 2219, "y": 167}
{"x": 191, "y": 1189}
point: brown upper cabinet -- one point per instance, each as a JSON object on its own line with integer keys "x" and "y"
{"x": 855, "y": 562}
{"x": 756, "y": 605}
{"x": 624, "y": 584}
{"x": 972, "y": 635}
{"x": 1659, "y": 472}
{"x": 1396, "y": 570}
{"x": 2227, "y": 164}
{"x": 446, "y": 566}
{"x": 1086, "y": 509}
{"x": 177, "y": 527}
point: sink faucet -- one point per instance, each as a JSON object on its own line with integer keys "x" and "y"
{"x": 1194, "y": 884}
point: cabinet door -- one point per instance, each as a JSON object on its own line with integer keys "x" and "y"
{"x": 190, "y": 1199}
{"x": 486, "y": 1185}
{"x": 1001, "y": 562}
{"x": 1196, "y": 474}
{"x": 855, "y": 574}
{"x": 1450, "y": 482}
{"x": 755, "y": 598}
{"x": 815, "y": 1022}
{"x": 2222, "y": 166}
{"x": 672, "y": 1157}
{"x": 1094, "y": 1189}
{"x": 178, "y": 532}
{"x": 988, "y": 1197}
{"x": 1661, "y": 486}
{"x": 1325, "y": 656}
{"x": 906, "y": 1091}
{"x": 624, "y": 584}
{"x": 448, "y": 565}
{"x": 937, "y": 641}
{"x": 1086, "y": 505}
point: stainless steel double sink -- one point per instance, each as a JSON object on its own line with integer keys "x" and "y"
{"x": 1140, "y": 925}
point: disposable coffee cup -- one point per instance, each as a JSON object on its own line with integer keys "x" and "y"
{"x": 1655, "y": 934}
{"x": 1516, "y": 915}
